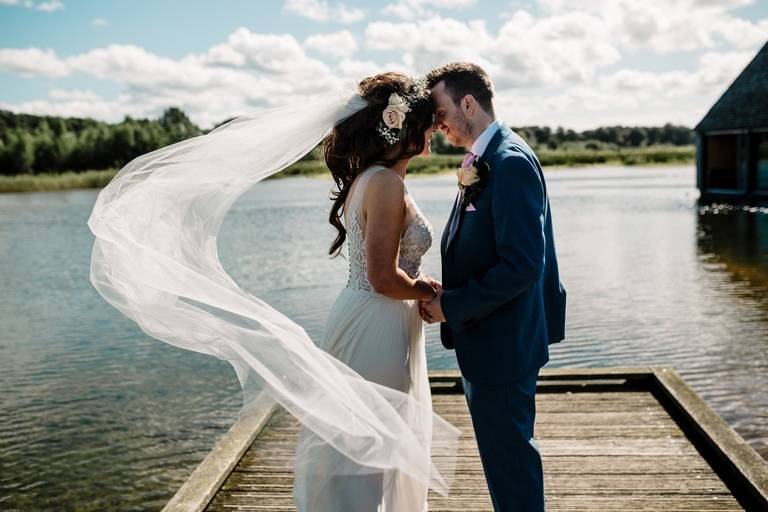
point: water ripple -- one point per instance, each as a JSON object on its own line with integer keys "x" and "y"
{"x": 97, "y": 416}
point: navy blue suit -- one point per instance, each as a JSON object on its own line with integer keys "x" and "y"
{"x": 504, "y": 304}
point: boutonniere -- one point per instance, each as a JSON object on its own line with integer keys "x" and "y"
{"x": 472, "y": 180}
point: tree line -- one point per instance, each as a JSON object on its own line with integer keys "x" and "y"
{"x": 47, "y": 144}
{"x": 32, "y": 144}
{"x": 603, "y": 138}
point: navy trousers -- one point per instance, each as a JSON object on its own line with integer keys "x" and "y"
{"x": 503, "y": 417}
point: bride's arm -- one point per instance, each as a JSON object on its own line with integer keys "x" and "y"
{"x": 384, "y": 203}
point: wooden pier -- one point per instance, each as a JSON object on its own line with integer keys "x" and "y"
{"x": 622, "y": 439}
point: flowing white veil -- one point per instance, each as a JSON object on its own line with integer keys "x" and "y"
{"x": 155, "y": 259}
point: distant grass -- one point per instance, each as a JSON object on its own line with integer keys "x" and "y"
{"x": 626, "y": 156}
{"x": 431, "y": 165}
{"x": 63, "y": 181}
{"x": 435, "y": 164}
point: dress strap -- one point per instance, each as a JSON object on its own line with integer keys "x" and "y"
{"x": 355, "y": 200}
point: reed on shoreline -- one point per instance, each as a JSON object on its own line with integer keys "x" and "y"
{"x": 59, "y": 181}
{"x": 434, "y": 164}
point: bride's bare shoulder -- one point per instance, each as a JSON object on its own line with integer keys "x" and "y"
{"x": 385, "y": 181}
{"x": 385, "y": 190}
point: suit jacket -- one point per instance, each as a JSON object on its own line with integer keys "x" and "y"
{"x": 503, "y": 300}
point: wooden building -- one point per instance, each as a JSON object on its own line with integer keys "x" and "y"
{"x": 732, "y": 139}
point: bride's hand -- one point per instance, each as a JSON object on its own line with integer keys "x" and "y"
{"x": 437, "y": 285}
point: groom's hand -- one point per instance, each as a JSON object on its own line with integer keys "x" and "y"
{"x": 432, "y": 311}
{"x": 438, "y": 286}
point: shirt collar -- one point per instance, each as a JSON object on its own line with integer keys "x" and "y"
{"x": 482, "y": 141}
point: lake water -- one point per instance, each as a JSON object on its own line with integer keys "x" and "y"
{"x": 95, "y": 415}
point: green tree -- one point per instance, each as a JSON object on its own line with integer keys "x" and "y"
{"x": 47, "y": 158}
{"x": 177, "y": 125}
{"x": 66, "y": 143}
{"x": 636, "y": 137}
{"x": 542, "y": 134}
{"x": 122, "y": 144}
{"x": 22, "y": 153}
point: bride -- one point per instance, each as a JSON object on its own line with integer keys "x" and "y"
{"x": 374, "y": 326}
{"x": 369, "y": 439}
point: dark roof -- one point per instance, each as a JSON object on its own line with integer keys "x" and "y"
{"x": 745, "y": 103}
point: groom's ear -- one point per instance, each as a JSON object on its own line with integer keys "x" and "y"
{"x": 468, "y": 105}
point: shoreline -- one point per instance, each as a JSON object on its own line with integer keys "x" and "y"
{"x": 427, "y": 166}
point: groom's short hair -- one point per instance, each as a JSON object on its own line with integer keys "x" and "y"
{"x": 462, "y": 78}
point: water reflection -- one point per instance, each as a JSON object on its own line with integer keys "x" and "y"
{"x": 732, "y": 248}
{"x": 735, "y": 238}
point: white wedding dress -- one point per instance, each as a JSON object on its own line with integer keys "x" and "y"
{"x": 383, "y": 340}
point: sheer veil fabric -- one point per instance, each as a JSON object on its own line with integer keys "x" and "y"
{"x": 155, "y": 259}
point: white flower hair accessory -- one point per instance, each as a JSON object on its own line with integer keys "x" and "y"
{"x": 394, "y": 114}
{"x": 392, "y": 118}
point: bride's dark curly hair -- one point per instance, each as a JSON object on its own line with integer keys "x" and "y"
{"x": 354, "y": 144}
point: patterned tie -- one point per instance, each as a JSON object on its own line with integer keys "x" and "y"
{"x": 469, "y": 159}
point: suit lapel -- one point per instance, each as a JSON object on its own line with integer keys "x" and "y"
{"x": 449, "y": 232}
{"x": 493, "y": 146}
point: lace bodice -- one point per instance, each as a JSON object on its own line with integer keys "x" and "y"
{"x": 414, "y": 242}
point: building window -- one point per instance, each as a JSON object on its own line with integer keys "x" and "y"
{"x": 760, "y": 145}
{"x": 722, "y": 161}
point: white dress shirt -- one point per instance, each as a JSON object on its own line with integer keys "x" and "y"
{"x": 482, "y": 141}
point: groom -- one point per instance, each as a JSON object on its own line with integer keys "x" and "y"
{"x": 502, "y": 302}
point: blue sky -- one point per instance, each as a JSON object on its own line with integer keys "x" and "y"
{"x": 576, "y": 63}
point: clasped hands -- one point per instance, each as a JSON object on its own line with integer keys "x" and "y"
{"x": 431, "y": 311}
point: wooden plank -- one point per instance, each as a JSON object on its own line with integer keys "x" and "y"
{"x": 612, "y": 372}
{"x": 561, "y": 430}
{"x": 747, "y": 468}
{"x": 282, "y": 501}
{"x": 607, "y": 443}
{"x": 558, "y": 484}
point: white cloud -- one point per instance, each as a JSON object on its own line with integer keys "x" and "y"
{"x": 420, "y": 9}
{"x": 32, "y": 62}
{"x": 99, "y": 22}
{"x": 741, "y": 33}
{"x": 629, "y": 96}
{"x": 133, "y": 65}
{"x": 279, "y": 56}
{"x": 322, "y": 11}
{"x": 666, "y": 27}
{"x": 565, "y": 63}
{"x": 346, "y": 14}
{"x": 427, "y": 43}
{"x": 336, "y": 44}
{"x": 316, "y": 10}
{"x": 248, "y": 71}
{"x": 266, "y": 52}
{"x": 563, "y": 66}
{"x": 527, "y": 51}
{"x": 50, "y": 6}
{"x": 562, "y": 49}
{"x": 78, "y": 103}
{"x": 53, "y": 5}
